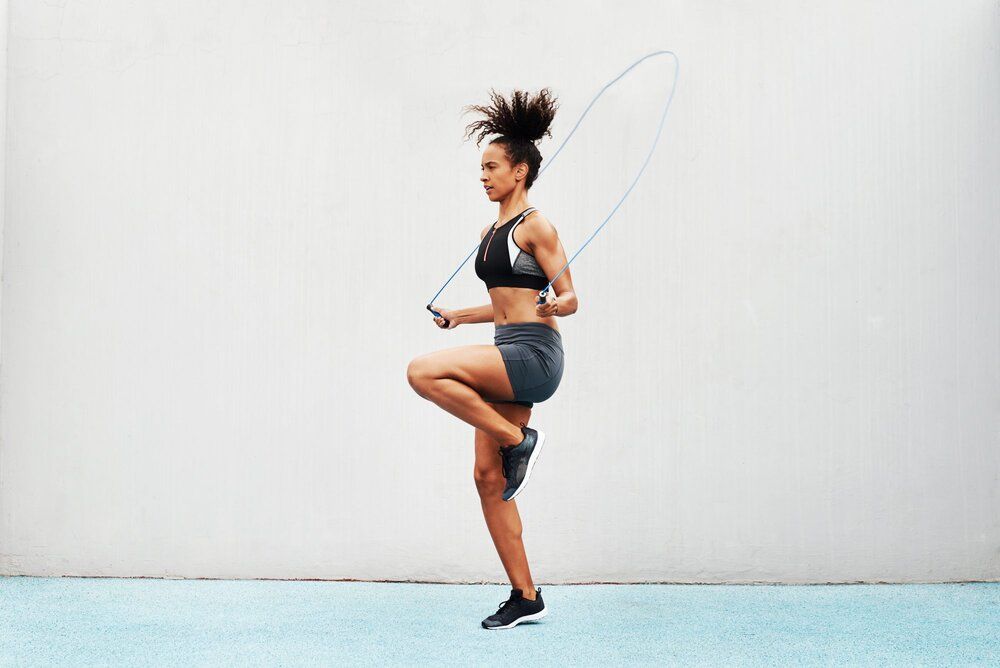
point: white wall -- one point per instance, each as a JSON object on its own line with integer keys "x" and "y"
{"x": 3, "y": 189}
{"x": 223, "y": 221}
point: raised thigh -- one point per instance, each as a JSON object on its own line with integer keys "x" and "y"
{"x": 479, "y": 366}
{"x": 487, "y": 454}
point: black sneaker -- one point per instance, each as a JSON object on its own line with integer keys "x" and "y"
{"x": 518, "y": 461}
{"x": 515, "y": 610}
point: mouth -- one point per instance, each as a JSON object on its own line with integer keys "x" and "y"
{"x": 488, "y": 188}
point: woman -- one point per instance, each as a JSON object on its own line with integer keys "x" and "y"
{"x": 493, "y": 387}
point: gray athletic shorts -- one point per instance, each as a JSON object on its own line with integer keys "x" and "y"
{"x": 533, "y": 355}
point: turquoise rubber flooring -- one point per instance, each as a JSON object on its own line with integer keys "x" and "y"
{"x": 151, "y": 622}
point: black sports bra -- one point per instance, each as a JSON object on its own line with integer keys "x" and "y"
{"x": 501, "y": 263}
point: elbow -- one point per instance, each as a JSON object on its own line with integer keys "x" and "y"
{"x": 572, "y": 304}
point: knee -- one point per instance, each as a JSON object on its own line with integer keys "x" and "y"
{"x": 418, "y": 375}
{"x": 489, "y": 481}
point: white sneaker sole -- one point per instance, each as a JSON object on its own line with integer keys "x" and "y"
{"x": 531, "y": 463}
{"x": 527, "y": 618}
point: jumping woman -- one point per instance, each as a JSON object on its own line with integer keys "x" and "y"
{"x": 493, "y": 387}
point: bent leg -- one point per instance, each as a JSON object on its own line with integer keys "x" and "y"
{"x": 462, "y": 380}
{"x": 502, "y": 518}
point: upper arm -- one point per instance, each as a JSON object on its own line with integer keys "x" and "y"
{"x": 541, "y": 240}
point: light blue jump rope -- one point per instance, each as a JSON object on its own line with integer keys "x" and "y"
{"x": 544, "y": 292}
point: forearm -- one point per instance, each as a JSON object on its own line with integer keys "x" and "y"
{"x": 474, "y": 314}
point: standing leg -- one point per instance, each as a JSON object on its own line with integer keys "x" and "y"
{"x": 502, "y": 518}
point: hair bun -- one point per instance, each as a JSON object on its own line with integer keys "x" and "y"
{"x": 522, "y": 118}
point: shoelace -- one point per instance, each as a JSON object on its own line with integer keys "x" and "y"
{"x": 507, "y": 466}
{"x": 504, "y": 604}
{"x": 504, "y": 464}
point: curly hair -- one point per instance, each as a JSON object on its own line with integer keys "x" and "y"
{"x": 520, "y": 123}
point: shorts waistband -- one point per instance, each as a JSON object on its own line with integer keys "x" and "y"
{"x": 528, "y": 324}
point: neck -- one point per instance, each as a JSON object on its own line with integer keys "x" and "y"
{"x": 510, "y": 208}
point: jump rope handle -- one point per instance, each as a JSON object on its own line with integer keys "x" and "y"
{"x": 437, "y": 315}
{"x": 541, "y": 297}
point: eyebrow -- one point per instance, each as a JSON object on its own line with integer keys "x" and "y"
{"x": 491, "y": 162}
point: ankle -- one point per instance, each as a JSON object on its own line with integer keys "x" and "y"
{"x": 514, "y": 438}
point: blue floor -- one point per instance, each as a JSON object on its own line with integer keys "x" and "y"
{"x": 142, "y": 622}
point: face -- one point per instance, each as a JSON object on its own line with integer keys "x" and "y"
{"x": 497, "y": 173}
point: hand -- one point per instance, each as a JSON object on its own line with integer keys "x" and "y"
{"x": 446, "y": 314}
{"x": 549, "y": 308}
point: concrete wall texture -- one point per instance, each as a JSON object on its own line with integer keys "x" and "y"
{"x": 223, "y": 220}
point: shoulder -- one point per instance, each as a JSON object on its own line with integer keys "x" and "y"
{"x": 537, "y": 230}
{"x": 537, "y": 221}
{"x": 485, "y": 230}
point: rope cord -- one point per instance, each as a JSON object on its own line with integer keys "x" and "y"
{"x": 542, "y": 294}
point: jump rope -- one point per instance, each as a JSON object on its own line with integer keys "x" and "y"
{"x": 544, "y": 292}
